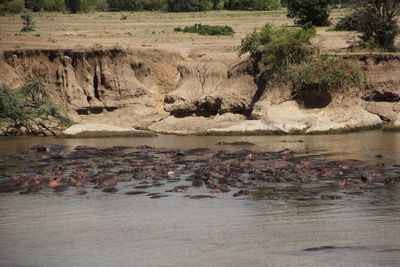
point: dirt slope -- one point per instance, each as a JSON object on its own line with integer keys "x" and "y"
{"x": 165, "y": 92}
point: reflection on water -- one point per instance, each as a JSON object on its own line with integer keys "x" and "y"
{"x": 100, "y": 229}
{"x": 363, "y": 146}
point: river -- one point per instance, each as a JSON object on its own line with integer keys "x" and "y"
{"x": 101, "y": 229}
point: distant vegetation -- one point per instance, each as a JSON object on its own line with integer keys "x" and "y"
{"x": 376, "y": 20}
{"x": 350, "y": 22}
{"x": 30, "y": 110}
{"x": 315, "y": 12}
{"x": 206, "y": 29}
{"x": 74, "y": 6}
{"x": 252, "y": 4}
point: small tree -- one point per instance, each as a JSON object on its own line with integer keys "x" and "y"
{"x": 28, "y": 22}
{"x": 74, "y": 6}
{"x": 378, "y": 22}
{"x": 309, "y": 11}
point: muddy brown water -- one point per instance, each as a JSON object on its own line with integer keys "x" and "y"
{"x": 100, "y": 229}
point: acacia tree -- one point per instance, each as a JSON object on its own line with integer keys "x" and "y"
{"x": 31, "y": 110}
{"x": 378, "y": 22}
{"x": 315, "y": 12}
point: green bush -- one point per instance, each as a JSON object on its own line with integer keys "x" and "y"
{"x": 74, "y": 6}
{"x": 207, "y": 30}
{"x": 47, "y": 5}
{"x": 326, "y": 73}
{"x": 252, "y": 4}
{"x": 350, "y": 22}
{"x": 187, "y": 5}
{"x": 34, "y": 5}
{"x": 309, "y": 11}
{"x": 378, "y": 23}
{"x": 14, "y": 6}
{"x": 30, "y": 110}
{"x": 280, "y": 46}
{"x": 28, "y": 22}
{"x": 93, "y": 5}
{"x": 135, "y": 5}
{"x": 54, "y": 5}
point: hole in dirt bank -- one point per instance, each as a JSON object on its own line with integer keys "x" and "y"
{"x": 199, "y": 113}
{"x": 377, "y": 96}
{"x": 314, "y": 99}
{"x": 110, "y": 109}
{"x": 91, "y": 110}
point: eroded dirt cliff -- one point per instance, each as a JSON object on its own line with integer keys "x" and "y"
{"x": 164, "y": 92}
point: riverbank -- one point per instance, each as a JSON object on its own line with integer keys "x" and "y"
{"x": 139, "y": 73}
{"x": 165, "y": 92}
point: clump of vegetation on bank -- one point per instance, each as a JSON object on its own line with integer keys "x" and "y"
{"x": 289, "y": 57}
{"x": 324, "y": 72}
{"x": 280, "y": 46}
{"x": 30, "y": 110}
{"x": 206, "y": 29}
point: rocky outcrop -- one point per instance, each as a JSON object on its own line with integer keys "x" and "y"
{"x": 382, "y": 83}
{"x": 196, "y": 125}
{"x": 397, "y": 121}
{"x": 289, "y": 118}
{"x": 210, "y": 88}
{"x": 103, "y": 130}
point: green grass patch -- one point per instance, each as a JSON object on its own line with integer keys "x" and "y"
{"x": 326, "y": 73}
{"x": 206, "y": 29}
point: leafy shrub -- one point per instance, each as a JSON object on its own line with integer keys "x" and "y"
{"x": 74, "y": 6}
{"x": 30, "y": 109}
{"x": 309, "y": 11}
{"x": 28, "y": 23}
{"x": 135, "y": 5}
{"x": 92, "y": 5}
{"x": 280, "y": 46}
{"x": 14, "y": 6}
{"x": 252, "y": 4}
{"x": 326, "y": 73}
{"x": 34, "y": 5}
{"x": 207, "y": 30}
{"x": 53, "y": 5}
{"x": 47, "y": 5}
{"x": 287, "y": 55}
{"x": 378, "y": 22}
{"x": 187, "y": 5}
{"x": 350, "y": 22}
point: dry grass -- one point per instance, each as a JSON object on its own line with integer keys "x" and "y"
{"x": 150, "y": 30}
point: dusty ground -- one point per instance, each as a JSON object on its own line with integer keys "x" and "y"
{"x": 149, "y": 29}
